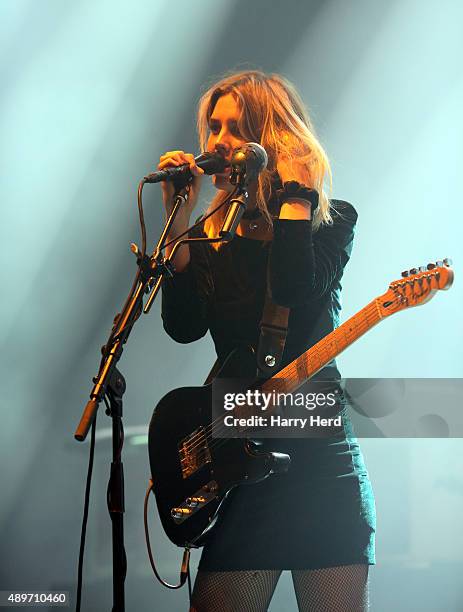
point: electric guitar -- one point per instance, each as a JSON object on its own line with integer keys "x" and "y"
{"x": 192, "y": 471}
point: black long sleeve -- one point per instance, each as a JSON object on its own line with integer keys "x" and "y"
{"x": 185, "y": 297}
{"x": 304, "y": 265}
{"x": 224, "y": 290}
{"x": 183, "y": 312}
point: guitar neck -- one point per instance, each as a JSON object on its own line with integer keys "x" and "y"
{"x": 414, "y": 288}
{"x": 297, "y": 372}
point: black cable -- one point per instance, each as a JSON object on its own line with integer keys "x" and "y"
{"x": 148, "y": 544}
{"x": 85, "y": 517}
{"x": 142, "y": 217}
{"x": 114, "y": 337}
{"x": 231, "y": 195}
{"x": 190, "y": 592}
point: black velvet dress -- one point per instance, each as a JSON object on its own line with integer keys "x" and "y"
{"x": 321, "y": 512}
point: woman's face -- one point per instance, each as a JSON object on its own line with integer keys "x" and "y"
{"x": 224, "y": 135}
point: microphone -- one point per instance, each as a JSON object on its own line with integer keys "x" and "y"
{"x": 211, "y": 163}
{"x": 247, "y": 162}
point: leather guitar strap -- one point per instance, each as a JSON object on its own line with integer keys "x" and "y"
{"x": 273, "y": 331}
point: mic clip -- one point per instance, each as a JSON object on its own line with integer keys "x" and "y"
{"x": 238, "y": 176}
{"x": 182, "y": 182}
{"x": 233, "y": 217}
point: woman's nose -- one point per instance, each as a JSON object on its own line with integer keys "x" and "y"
{"x": 222, "y": 148}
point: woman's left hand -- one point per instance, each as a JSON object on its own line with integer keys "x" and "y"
{"x": 289, "y": 167}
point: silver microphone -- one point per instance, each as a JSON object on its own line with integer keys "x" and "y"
{"x": 247, "y": 162}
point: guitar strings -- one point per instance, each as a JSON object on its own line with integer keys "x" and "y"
{"x": 216, "y": 443}
{"x": 200, "y": 438}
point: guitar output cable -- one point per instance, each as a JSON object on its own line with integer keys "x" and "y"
{"x": 185, "y": 567}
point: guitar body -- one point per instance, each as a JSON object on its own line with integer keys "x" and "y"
{"x": 193, "y": 472}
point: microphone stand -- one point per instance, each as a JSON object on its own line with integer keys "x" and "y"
{"x": 109, "y": 384}
{"x": 237, "y": 206}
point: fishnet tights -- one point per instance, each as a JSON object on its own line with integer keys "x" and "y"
{"x": 333, "y": 589}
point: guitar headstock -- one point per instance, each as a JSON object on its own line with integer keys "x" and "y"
{"x": 416, "y": 287}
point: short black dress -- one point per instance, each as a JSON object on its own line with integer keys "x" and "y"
{"x": 321, "y": 513}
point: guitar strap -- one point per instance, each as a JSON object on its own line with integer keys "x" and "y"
{"x": 273, "y": 331}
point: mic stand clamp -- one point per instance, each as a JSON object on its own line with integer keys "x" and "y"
{"x": 237, "y": 206}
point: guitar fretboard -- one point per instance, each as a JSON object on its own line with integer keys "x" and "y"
{"x": 298, "y": 371}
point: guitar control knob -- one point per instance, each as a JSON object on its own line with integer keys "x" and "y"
{"x": 193, "y": 502}
{"x": 447, "y": 261}
{"x": 178, "y": 513}
{"x": 405, "y": 273}
{"x": 413, "y": 271}
{"x": 431, "y": 266}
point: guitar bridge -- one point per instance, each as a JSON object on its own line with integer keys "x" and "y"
{"x": 194, "y": 452}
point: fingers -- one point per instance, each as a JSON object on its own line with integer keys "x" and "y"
{"x": 173, "y": 159}
{"x": 195, "y": 170}
{"x": 178, "y": 158}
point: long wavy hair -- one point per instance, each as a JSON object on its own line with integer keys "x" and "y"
{"x": 273, "y": 115}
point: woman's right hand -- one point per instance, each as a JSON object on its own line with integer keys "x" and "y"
{"x": 177, "y": 158}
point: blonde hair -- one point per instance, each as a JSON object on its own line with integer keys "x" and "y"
{"x": 273, "y": 115}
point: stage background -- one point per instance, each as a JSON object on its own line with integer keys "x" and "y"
{"x": 92, "y": 93}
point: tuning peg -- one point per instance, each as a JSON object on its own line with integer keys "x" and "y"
{"x": 405, "y": 273}
{"x": 448, "y": 261}
{"x": 431, "y": 266}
